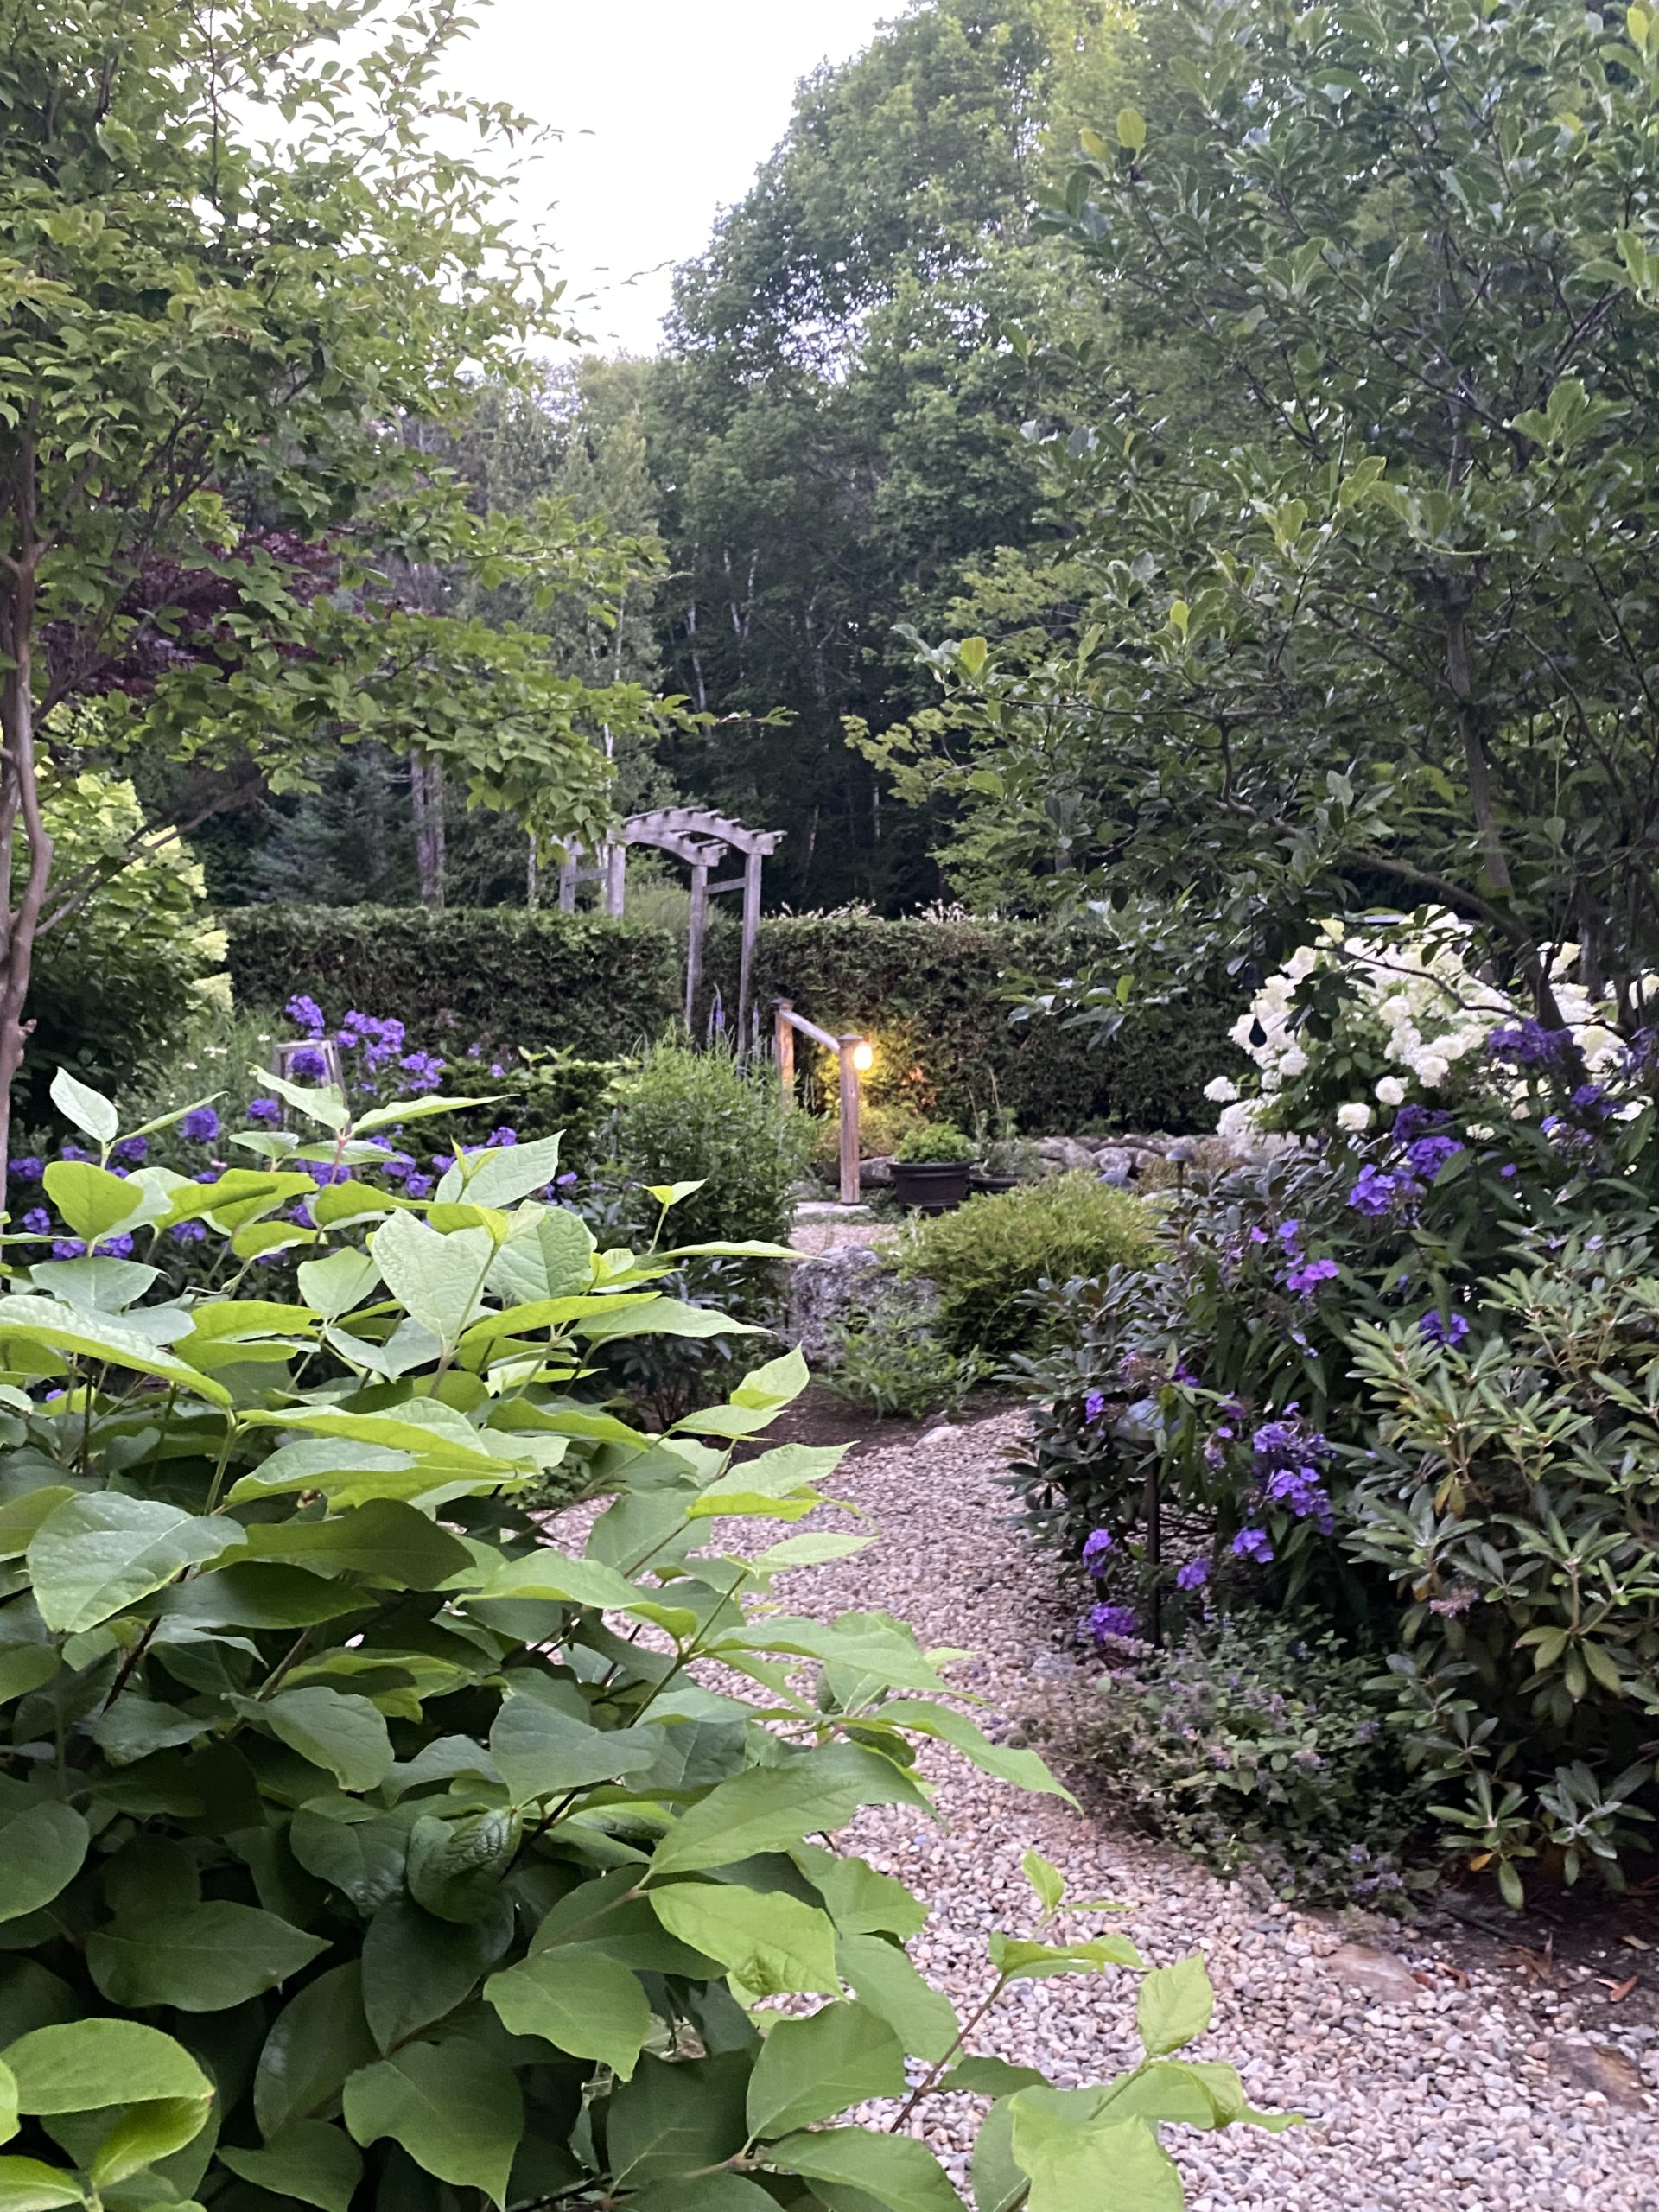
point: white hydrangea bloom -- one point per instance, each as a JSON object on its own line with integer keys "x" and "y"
{"x": 1391, "y": 1090}
{"x": 1222, "y": 1089}
{"x": 1355, "y": 1117}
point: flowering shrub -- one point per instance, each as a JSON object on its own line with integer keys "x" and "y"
{"x": 360, "y": 1847}
{"x": 1403, "y": 1373}
{"x": 1257, "y": 1741}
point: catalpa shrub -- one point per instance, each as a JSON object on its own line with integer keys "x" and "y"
{"x": 359, "y": 1847}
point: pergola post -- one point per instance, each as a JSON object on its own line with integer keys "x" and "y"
{"x": 784, "y": 1030}
{"x": 850, "y": 1180}
{"x": 694, "y": 937}
{"x": 752, "y": 863}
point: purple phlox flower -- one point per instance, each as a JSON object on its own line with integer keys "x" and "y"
{"x": 496, "y": 1068}
{"x": 122, "y": 1173}
{"x": 565, "y": 1182}
{"x": 302, "y": 1214}
{"x": 1193, "y": 1576}
{"x": 308, "y": 1066}
{"x": 1094, "y": 1406}
{"x": 1413, "y": 1121}
{"x": 1640, "y": 1049}
{"x": 443, "y": 1161}
{"x": 305, "y": 1013}
{"x": 1259, "y": 1235}
{"x": 38, "y": 1222}
{"x": 1253, "y": 1543}
{"x": 68, "y": 1248}
{"x": 268, "y": 1111}
{"x": 503, "y": 1135}
{"x": 1377, "y": 1193}
{"x": 200, "y": 1125}
{"x": 379, "y": 1040}
{"x": 396, "y": 1165}
{"x": 206, "y": 1175}
{"x": 115, "y": 1248}
{"x": 1437, "y": 1328}
{"x": 187, "y": 1233}
{"x": 1429, "y": 1154}
{"x": 1565, "y": 1138}
{"x": 1106, "y": 1621}
{"x": 417, "y": 1186}
{"x": 1290, "y": 1232}
{"x": 1095, "y": 1551}
{"x": 1183, "y": 1374}
{"x": 135, "y": 1149}
{"x": 72, "y": 1152}
{"x": 1530, "y": 1044}
{"x": 1304, "y": 1279}
{"x": 1509, "y": 1171}
{"x": 1590, "y": 1099}
{"x": 28, "y": 1169}
{"x": 1285, "y": 1443}
{"x": 324, "y": 1172}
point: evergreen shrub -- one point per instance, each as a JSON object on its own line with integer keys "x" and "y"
{"x": 588, "y": 985}
{"x": 936, "y": 996}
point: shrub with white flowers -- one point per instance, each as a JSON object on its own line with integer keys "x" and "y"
{"x": 1394, "y": 1015}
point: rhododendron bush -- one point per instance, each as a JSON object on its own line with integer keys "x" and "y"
{"x": 1398, "y": 1365}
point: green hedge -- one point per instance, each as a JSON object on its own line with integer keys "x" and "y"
{"x": 588, "y": 985}
{"x": 936, "y": 996}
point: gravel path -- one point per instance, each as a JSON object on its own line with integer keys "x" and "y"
{"x": 1450, "y": 2097}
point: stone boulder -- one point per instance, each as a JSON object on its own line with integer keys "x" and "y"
{"x": 830, "y": 1291}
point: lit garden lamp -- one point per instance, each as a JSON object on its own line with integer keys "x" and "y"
{"x": 863, "y": 1056}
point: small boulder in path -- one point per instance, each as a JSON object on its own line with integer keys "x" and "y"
{"x": 1379, "y": 1976}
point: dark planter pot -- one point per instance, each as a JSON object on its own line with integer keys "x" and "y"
{"x": 990, "y": 1184}
{"x": 929, "y": 1185}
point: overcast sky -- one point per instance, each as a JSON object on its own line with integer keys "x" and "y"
{"x": 667, "y": 107}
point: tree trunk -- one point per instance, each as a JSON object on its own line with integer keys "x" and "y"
{"x": 426, "y": 804}
{"x": 19, "y": 798}
{"x": 532, "y": 876}
{"x": 1471, "y": 728}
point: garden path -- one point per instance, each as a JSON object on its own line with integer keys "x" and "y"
{"x": 1450, "y": 2097}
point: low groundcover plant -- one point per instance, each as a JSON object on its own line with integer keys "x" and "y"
{"x": 361, "y": 1847}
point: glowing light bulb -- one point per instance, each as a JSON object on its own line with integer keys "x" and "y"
{"x": 864, "y": 1057}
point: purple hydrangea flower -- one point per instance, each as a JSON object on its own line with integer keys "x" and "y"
{"x": 1095, "y": 1551}
{"x": 301, "y": 1214}
{"x": 1193, "y": 1576}
{"x": 1094, "y": 1406}
{"x": 1429, "y": 1154}
{"x": 68, "y": 1248}
{"x": 28, "y": 1169}
{"x": 309, "y": 1065}
{"x": 1437, "y": 1328}
{"x": 137, "y": 1149}
{"x": 1111, "y": 1620}
{"x": 1530, "y": 1044}
{"x": 1304, "y": 1279}
{"x": 305, "y": 1013}
{"x": 1591, "y": 1100}
{"x": 1301, "y": 1492}
{"x": 115, "y": 1248}
{"x": 38, "y": 1222}
{"x": 268, "y": 1111}
{"x": 1253, "y": 1543}
{"x": 187, "y": 1233}
{"x": 200, "y": 1125}
{"x": 421, "y": 1071}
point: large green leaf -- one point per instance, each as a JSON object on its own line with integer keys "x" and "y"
{"x": 503, "y": 1174}
{"x": 1004, "y": 1763}
{"x": 455, "y": 2110}
{"x": 897, "y": 2171}
{"x": 354, "y": 1848}
{"x": 771, "y": 1807}
{"x": 318, "y": 2039}
{"x": 338, "y": 1282}
{"x": 580, "y": 2001}
{"x": 94, "y": 1203}
{"x": 28, "y": 2185}
{"x": 146, "y": 2133}
{"x": 309, "y": 2162}
{"x": 334, "y": 1729}
{"x": 663, "y": 1317}
{"x": 101, "y": 1339}
{"x": 385, "y": 1540}
{"x": 887, "y": 1982}
{"x": 549, "y": 1256}
{"x": 548, "y": 1573}
{"x": 812, "y": 2069}
{"x": 202, "y": 1959}
{"x": 677, "y": 2119}
{"x": 769, "y": 1942}
{"x": 1079, "y": 2161}
{"x": 1174, "y": 2006}
{"x": 542, "y": 1752}
{"x": 457, "y": 1866}
{"x": 94, "y": 1555}
{"x": 437, "y": 1280}
{"x": 91, "y": 1112}
{"x": 417, "y": 1967}
{"x": 84, "y": 2065}
{"x": 43, "y": 1844}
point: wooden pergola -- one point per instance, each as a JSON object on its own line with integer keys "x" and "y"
{"x": 703, "y": 840}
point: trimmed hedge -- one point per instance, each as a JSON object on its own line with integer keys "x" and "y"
{"x": 936, "y": 996}
{"x": 591, "y": 987}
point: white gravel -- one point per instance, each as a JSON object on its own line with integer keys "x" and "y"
{"x": 1455, "y": 2097}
